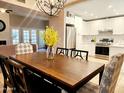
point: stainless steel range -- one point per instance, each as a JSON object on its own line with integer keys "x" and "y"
{"x": 102, "y": 47}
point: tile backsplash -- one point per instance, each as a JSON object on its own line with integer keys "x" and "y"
{"x": 116, "y": 38}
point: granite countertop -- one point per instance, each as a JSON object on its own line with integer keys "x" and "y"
{"x": 117, "y": 45}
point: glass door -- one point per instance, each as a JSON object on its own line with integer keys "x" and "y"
{"x": 30, "y": 36}
{"x": 41, "y": 41}
{"x": 33, "y": 37}
{"x": 26, "y": 36}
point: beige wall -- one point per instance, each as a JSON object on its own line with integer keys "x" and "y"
{"x": 5, "y": 35}
{"x": 18, "y": 21}
{"x": 58, "y": 24}
{"x": 26, "y": 22}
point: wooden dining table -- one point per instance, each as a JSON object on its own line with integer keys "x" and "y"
{"x": 66, "y": 72}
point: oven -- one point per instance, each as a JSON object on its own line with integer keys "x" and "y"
{"x": 102, "y": 50}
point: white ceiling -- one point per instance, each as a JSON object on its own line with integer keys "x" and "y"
{"x": 92, "y": 9}
{"x": 23, "y": 11}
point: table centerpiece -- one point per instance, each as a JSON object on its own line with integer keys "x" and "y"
{"x": 50, "y": 38}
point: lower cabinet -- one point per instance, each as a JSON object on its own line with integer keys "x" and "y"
{"x": 115, "y": 50}
{"x": 90, "y": 47}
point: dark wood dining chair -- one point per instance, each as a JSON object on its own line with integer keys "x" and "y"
{"x": 38, "y": 84}
{"x": 109, "y": 78}
{"x": 79, "y": 53}
{"x": 8, "y": 81}
{"x": 13, "y": 76}
{"x": 27, "y": 81}
{"x": 23, "y": 80}
{"x": 17, "y": 72}
{"x": 62, "y": 51}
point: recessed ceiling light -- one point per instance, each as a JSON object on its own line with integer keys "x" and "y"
{"x": 91, "y": 14}
{"x": 2, "y": 10}
{"x": 110, "y": 6}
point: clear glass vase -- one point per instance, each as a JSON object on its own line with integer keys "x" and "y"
{"x": 50, "y": 52}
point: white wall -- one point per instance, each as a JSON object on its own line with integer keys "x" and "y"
{"x": 5, "y": 35}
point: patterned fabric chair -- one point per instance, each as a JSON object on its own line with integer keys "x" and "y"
{"x": 24, "y": 48}
{"x": 109, "y": 78}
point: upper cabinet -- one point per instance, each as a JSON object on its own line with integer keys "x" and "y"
{"x": 78, "y": 25}
{"x": 100, "y": 25}
{"x": 118, "y": 25}
{"x": 112, "y": 24}
{"x": 108, "y": 24}
{"x": 93, "y": 27}
{"x": 70, "y": 20}
{"x": 81, "y": 26}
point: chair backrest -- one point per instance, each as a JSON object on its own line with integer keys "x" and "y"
{"x": 8, "y": 81}
{"x": 111, "y": 73}
{"x": 79, "y": 53}
{"x": 17, "y": 74}
{"x": 38, "y": 84}
{"x": 62, "y": 51}
{"x": 24, "y": 48}
{"x": 13, "y": 75}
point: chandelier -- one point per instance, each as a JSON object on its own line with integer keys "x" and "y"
{"x": 50, "y": 7}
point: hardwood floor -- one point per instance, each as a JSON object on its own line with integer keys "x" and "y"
{"x": 120, "y": 83}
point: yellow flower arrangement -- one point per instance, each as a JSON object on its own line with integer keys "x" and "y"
{"x": 50, "y": 36}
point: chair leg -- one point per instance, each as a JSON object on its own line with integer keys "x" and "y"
{"x": 14, "y": 90}
{"x": 4, "y": 88}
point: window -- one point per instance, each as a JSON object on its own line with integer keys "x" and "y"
{"x": 26, "y": 36}
{"x": 41, "y": 41}
{"x": 15, "y": 36}
{"x": 33, "y": 36}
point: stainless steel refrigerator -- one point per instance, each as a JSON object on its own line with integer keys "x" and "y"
{"x": 70, "y": 39}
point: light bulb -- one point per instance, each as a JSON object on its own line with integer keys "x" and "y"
{"x": 2, "y": 10}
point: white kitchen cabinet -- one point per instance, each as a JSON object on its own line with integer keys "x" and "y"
{"x": 118, "y": 26}
{"x": 108, "y": 24}
{"x": 81, "y": 26}
{"x": 104, "y": 25}
{"x": 115, "y": 50}
{"x": 78, "y": 25}
{"x": 90, "y": 47}
{"x": 70, "y": 20}
{"x": 93, "y": 25}
{"x": 100, "y": 25}
{"x": 79, "y": 41}
{"x": 85, "y": 28}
